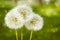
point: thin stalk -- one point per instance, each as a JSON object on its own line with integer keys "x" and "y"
{"x": 22, "y": 34}
{"x": 31, "y": 34}
{"x": 16, "y": 35}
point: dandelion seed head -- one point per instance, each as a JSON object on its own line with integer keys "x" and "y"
{"x": 14, "y": 21}
{"x": 35, "y": 23}
{"x": 25, "y": 12}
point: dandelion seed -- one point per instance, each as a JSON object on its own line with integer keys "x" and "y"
{"x": 35, "y": 23}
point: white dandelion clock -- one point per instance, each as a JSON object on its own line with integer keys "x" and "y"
{"x": 25, "y": 11}
{"x": 13, "y": 21}
{"x": 35, "y": 23}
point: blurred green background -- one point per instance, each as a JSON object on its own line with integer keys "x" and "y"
{"x": 50, "y": 14}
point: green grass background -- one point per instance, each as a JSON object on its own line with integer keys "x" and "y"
{"x": 50, "y": 30}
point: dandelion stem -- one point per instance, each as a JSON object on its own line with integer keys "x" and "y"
{"x": 31, "y": 35}
{"x": 16, "y": 35}
{"x": 22, "y": 34}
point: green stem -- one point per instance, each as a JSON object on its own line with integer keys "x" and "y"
{"x": 22, "y": 34}
{"x": 16, "y": 35}
{"x": 31, "y": 35}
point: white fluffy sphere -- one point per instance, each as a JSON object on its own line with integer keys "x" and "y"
{"x": 13, "y": 20}
{"x": 36, "y": 23}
